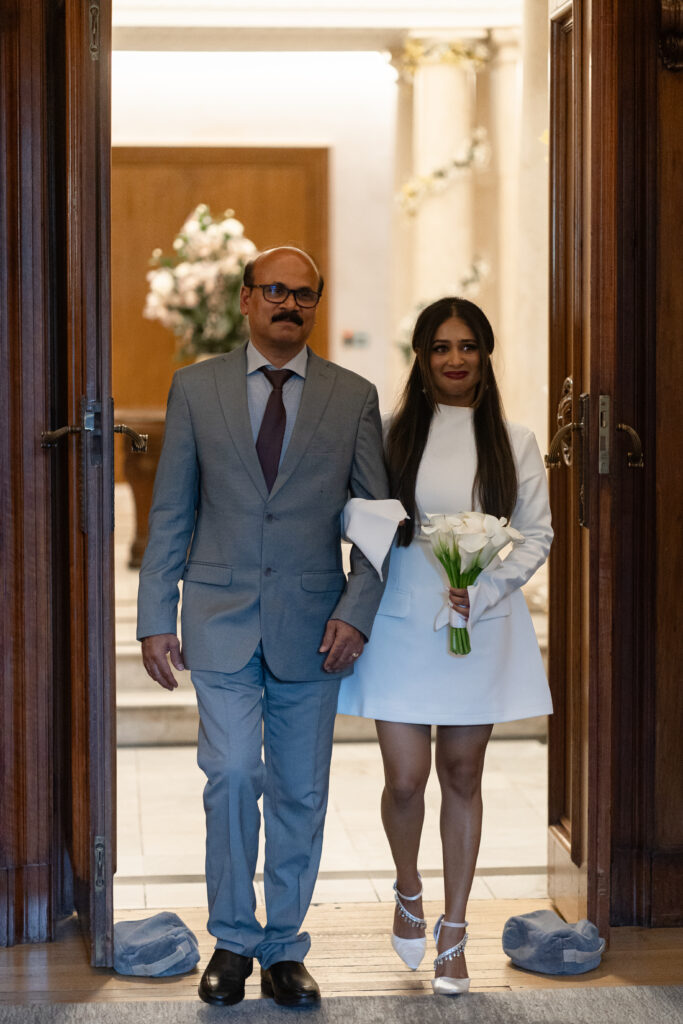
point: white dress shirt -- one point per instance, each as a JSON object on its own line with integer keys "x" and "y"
{"x": 259, "y": 389}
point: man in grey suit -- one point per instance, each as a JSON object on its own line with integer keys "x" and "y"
{"x": 255, "y": 469}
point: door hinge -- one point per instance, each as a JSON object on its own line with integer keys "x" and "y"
{"x": 99, "y": 851}
{"x": 94, "y": 29}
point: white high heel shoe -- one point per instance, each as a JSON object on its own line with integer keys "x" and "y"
{"x": 449, "y": 986}
{"x": 411, "y": 951}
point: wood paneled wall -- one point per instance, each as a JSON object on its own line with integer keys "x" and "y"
{"x": 280, "y": 195}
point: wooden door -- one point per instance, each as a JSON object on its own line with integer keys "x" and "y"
{"x": 601, "y": 363}
{"x": 82, "y": 499}
{"x": 56, "y": 688}
{"x": 90, "y": 472}
{"x": 26, "y": 633}
{"x": 569, "y": 386}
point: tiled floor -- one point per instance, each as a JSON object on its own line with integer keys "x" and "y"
{"x": 161, "y": 828}
{"x": 161, "y": 819}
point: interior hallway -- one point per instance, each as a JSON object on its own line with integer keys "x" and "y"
{"x": 161, "y": 819}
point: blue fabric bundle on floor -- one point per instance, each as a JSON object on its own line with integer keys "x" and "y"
{"x": 155, "y": 947}
{"x": 542, "y": 941}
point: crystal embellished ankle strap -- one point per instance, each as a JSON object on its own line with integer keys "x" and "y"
{"x": 416, "y": 922}
{"x": 454, "y": 951}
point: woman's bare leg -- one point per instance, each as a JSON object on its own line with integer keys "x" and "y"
{"x": 407, "y": 756}
{"x": 460, "y": 752}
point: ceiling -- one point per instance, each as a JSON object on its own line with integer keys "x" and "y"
{"x": 292, "y": 24}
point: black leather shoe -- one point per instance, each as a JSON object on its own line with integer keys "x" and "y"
{"x": 289, "y": 984}
{"x": 223, "y": 980}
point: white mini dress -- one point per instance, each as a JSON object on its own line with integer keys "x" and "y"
{"x": 406, "y": 672}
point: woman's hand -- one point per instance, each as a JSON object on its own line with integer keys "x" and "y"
{"x": 460, "y": 600}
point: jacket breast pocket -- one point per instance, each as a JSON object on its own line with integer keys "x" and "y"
{"x": 319, "y": 582}
{"x": 395, "y": 603}
{"x": 208, "y": 572}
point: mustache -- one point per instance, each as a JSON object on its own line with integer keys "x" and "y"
{"x": 288, "y": 314}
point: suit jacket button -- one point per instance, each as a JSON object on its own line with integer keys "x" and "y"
{"x": 269, "y": 517}
{"x": 267, "y": 572}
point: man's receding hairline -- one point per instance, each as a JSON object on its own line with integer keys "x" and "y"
{"x": 292, "y": 249}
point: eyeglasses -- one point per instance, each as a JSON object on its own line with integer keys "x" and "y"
{"x": 278, "y": 293}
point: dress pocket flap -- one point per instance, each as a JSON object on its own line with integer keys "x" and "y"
{"x": 207, "y": 572}
{"x": 499, "y": 609}
{"x": 321, "y": 581}
{"x": 395, "y": 602}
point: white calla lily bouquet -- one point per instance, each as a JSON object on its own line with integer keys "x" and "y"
{"x": 465, "y": 544}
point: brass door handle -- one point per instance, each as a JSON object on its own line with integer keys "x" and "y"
{"x": 563, "y": 449}
{"x": 49, "y": 438}
{"x": 89, "y": 424}
{"x": 554, "y": 457}
{"x": 634, "y": 458}
{"x": 139, "y": 441}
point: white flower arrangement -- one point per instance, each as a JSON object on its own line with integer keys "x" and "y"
{"x": 475, "y": 154}
{"x": 195, "y": 292}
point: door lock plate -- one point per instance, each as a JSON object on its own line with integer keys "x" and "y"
{"x": 603, "y": 434}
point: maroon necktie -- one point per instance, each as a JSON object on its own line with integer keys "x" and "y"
{"x": 269, "y": 440}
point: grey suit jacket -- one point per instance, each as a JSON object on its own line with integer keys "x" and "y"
{"x": 258, "y": 566}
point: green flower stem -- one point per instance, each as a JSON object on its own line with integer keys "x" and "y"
{"x": 459, "y": 640}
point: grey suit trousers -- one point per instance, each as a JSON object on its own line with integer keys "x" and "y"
{"x": 292, "y": 776}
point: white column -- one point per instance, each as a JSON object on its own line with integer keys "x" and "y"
{"x": 532, "y": 235}
{"x": 404, "y": 246}
{"x": 443, "y": 101}
{"x": 504, "y": 125}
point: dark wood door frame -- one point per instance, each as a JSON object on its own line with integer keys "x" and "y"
{"x": 56, "y": 689}
{"x": 92, "y": 753}
{"x": 26, "y": 764}
{"x": 620, "y": 196}
{"x": 53, "y": 225}
{"x": 623, "y": 264}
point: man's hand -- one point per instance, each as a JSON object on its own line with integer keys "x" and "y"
{"x": 345, "y": 644}
{"x": 154, "y": 651}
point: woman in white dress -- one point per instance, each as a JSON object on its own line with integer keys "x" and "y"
{"x": 449, "y": 450}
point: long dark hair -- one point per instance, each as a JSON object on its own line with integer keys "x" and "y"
{"x": 495, "y": 483}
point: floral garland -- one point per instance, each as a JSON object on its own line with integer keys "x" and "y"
{"x": 475, "y": 154}
{"x": 196, "y": 291}
{"x": 417, "y": 52}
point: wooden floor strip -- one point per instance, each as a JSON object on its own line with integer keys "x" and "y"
{"x": 350, "y": 956}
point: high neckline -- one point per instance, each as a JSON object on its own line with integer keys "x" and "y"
{"x": 462, "y": 411}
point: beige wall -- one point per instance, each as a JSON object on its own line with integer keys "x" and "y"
{"x": 378, "y": 265}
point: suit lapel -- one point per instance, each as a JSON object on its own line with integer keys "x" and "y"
{"x": 231, "y": 381}
{"x": 316, "y": 393}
